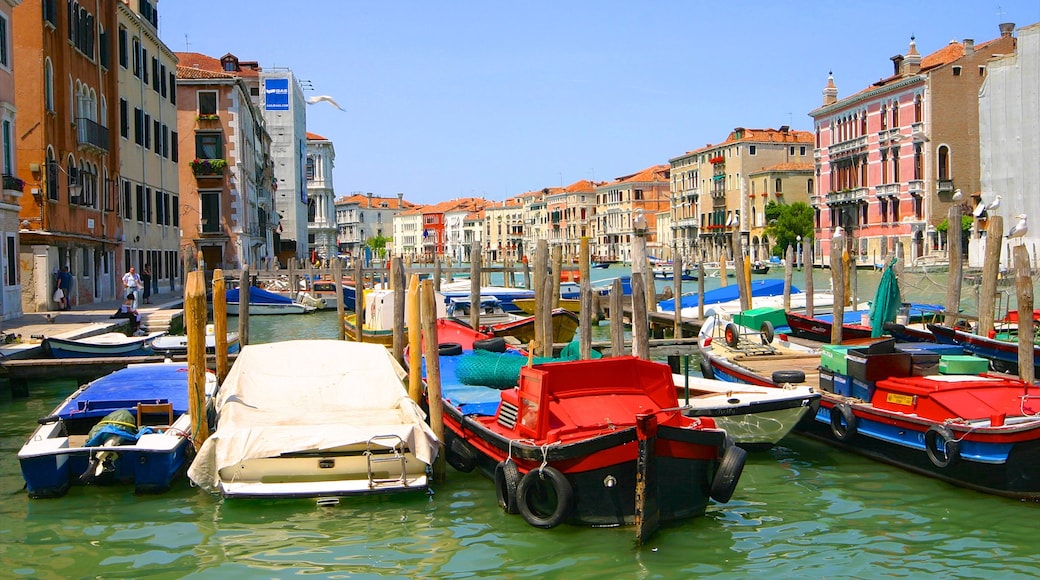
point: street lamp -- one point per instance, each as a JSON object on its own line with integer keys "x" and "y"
{"x": 798, "y": 261}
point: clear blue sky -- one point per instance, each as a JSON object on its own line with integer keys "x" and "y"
{"x": 495, "y": 98}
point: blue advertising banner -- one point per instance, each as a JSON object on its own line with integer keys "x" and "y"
{"x": 277, "y": 94}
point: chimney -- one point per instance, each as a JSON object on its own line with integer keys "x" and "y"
{"x": 370, "y": 199}
{"x": 897, "y": 64}
{"x": 830, "y": 92}
{"x": 912, "y": 62}
{"x": 969, "y": 47}
{"x": 1006, "y": 29}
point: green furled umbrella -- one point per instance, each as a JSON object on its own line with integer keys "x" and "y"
{"x": 887, "y": 301}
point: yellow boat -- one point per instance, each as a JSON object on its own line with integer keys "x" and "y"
{"x": 527, "y": 305}
{"x": 376, "y": 336}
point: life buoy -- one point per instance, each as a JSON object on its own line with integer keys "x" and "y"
{"x": 843, "y": 422}
{"x": 494, "y": 344}
{"x": 544, "y": 497}
{"x": 507, "y": 480}
{"x": 726, "y": 476}
{"x": 706, "y": 370}
{"x": 788, "y": 376}
{"x": 732, "y": 335}
{"x": 449, "y": 349}
{"x": 949, "y": 454}
{"x": 768, "y": 332}
{"x": 461, "y": 457}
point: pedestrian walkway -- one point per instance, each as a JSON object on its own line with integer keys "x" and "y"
{"x": 22, "y": 336}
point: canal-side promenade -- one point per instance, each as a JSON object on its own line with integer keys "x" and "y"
{"x": 83, "y": 320}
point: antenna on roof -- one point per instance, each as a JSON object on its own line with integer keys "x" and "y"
{"x": 306, "y": 85}
{"x": 186, "y": 43}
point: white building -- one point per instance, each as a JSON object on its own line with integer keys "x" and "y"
{"x": 321, "y": 198}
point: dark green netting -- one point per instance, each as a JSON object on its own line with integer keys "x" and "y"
{"x": 502, "y": 370}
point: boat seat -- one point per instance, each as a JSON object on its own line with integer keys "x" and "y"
{"x": 154, "y": 414}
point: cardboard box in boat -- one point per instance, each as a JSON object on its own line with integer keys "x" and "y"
{"x": 875, "y": 367}
{"x": 950, "y": 364}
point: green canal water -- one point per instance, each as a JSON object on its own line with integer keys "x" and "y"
{"x": 801, "y": 510}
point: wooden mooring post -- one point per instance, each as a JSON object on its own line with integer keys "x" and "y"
{"x": 1024, "y": 290}
{"x": 219, "y": 324}
{"x": 837, "y": 287}
{"x": 195, "y": 326}
{"x": 433, "y": 371}
{"x": 243, "y": 307}
{"x": 953, "y": 251}
{"x": 990, "y": 271}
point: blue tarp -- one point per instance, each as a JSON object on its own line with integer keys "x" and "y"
{"x": 123, "y": 389}
{"x": 759, "y": 288}
{"x": 259, "y": 296}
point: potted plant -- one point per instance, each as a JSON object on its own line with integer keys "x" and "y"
{"x": 208, "y": 166}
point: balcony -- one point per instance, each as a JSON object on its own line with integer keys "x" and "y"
{"x": 92, "y": 135}
{"x": 887, "y": 190}
{"x": 13, "y": 186}
{"x": 887, "y": 135}
{"x": 849, "y": 147}
{"x": 208, "y": 168}
{"x": 847, "y": 196}
{"x": 208, "y": 121}
{"x": 916, "y": 187}
{"x": 944, "y": 189}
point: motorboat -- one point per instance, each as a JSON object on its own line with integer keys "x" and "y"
{"x": 262, "y": 302}
{"x": 129, "y": 427}
{"x": 1003, "y": 354}
{"x": 688, "y": 303}
{"x": 315, "y": 418}
{"x": 177, "y": 344}
{"x": 462, "y": 289}
{"x": 109, "y": 344}
{"x": 379, "y": 316}
{"x": 586, "y": 441}
{"x": 494, "y": 321}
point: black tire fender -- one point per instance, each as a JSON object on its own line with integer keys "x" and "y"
{"x": 768, "y": 332}
{"x": 843, "y": 422}
{"x": 728, "y": 474}
{"x": 706, "y": 370}
{"x": 460, "y": 456}
{"x": 449, "y": 349}
{"x": 534, "y": 483}
{"x": 732, "y": 334}
{"x": 950, "y": 453}
{"x": 494, "y": 344}
{"x": 788, "y": 376}
{"x": 507, "y": 480}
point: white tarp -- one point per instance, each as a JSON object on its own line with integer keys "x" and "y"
{"x": 308, "y": 396}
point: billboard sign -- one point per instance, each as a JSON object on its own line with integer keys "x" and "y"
{"x": 276, "y": 94}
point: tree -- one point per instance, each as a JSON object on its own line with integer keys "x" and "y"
{"x": 378, "y": 245}
{"x": 786, "y": 223}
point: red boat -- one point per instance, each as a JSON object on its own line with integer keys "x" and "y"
{"x": 819, "y": 329}
{"x": 597, "y": 442}
{"x": 976, "y": 431}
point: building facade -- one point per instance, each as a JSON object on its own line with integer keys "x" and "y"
{"x": 321, "y": 199}
{"x": 365, "y": 215}
{"x": 66, "y": 96}
{"x": 890, "y": 157}
{"x": 618, "y": 203}
{"x": 148, "y": 142}
{"x": 784, "y": 183}
{"x": 13, "y": 186}
{"x": 226, "y": 188}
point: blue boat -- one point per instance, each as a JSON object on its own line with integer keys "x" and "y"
{"x": 263, "y": 302}
{"x": 505, "y": 296}
{"x": 129, "y": 427}
{"x": 759, "y": 288}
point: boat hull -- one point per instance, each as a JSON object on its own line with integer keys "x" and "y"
{"x": 383, "y": 337}
{"x": 564, "y": 325}
{"x": 270, "y": 309}
{"x": 121, "y": 345}
{"x": 819, "y": 330}
{"x": 1003, "y": 355}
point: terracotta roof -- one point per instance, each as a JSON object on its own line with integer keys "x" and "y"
{"x": 363, "y": 200}
{"x": 789, "y": 166}
{"x": 201, "y": 62}
{"x": 315, "y": 137}
{"x": 760, "y": 136}
{"x": 655, "y": 173}
{"x": 184, "y": 72}
{"x": 582, "y": 185}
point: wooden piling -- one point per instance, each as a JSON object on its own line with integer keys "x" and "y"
{"x": 397, "y": 283}
{"x": 640, "y": 322}
{"x": 677, "y": 274}
{"x": 953, "y": 251}
{"x": 807, "y": 264}
{"x": 243, "y": 306}
{"x": 557, "y": 275}
{"x": 220, "y": 324}
{"x": 414, "y": 315}
{"x": 337, "y": 279}
{"x": 433, "y": 370}
{"x": 437, "y": 274}
{"x": 359, "y": 301}
{"x": 740, "y": 271}
{"x": 195, "y": 326}
{"x": 1024, "y": 289}
{"x": 788, "y": 276}
{"x": 474, "y": 285}
{"x": 990, "y": 270}
{"x": 722, "y": 269}
{"x": 838, "y": 287}
{"x": 544, "y": 309}
{"x": 617, "y": 319}
{"x": 700, "y": 290}
{"x": 585, "y": 298}
{"x": 527, "y": 275}
{"x": 541, "y": 254}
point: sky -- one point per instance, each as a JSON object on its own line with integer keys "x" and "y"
{"x": 492, "y": 99}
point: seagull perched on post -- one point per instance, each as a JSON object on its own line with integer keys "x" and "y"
{"x": 957, "y": 195}
{"x": 983, "y": 207}
{"x": 1019, "y": 230}
{"x": 326, "y": 98}
{"x": 838, "y": 232}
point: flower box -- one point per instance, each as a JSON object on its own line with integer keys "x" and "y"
{"x": 208, "y": 166}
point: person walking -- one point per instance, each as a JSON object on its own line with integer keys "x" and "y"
{"x": 132, "y": 284}
{"x": 146, "y": 282}
{"x": 64, "y": 284}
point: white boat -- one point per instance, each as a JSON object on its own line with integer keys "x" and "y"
{"x": 262, "y": 302}
{"x": 314, "y": 418}
{"x": 491, "y": 311}
{"x": 755, "y": 417}
{"x": 461, "y": 288}
{"x": 129, "y": 427}
{"x": 100, "y": 345}
{"x": 178, "y": 344}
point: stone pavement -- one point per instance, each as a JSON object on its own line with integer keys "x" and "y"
{"x": 83, "y": 320}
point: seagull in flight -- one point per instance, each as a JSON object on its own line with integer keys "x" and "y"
{"x": 983, "y": 207}
{"x": 1019, "y": 230}
{"x": 326, "y": 98}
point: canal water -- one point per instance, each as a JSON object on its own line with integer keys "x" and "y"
{"x": 801, "y": 510}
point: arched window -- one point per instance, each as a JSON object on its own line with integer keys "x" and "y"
{"x": 48, "y": 85}
{"x": 944, "y": 162}
{"x": 918, "y": 113}
{"x": 52, "y": 175}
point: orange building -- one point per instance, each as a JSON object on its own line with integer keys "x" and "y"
{"x": 67, "y": 99}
